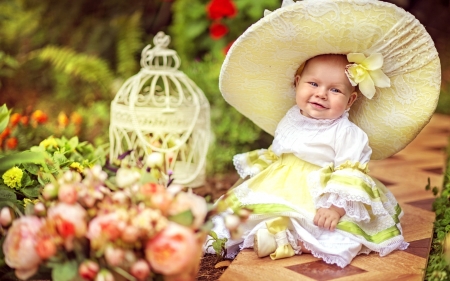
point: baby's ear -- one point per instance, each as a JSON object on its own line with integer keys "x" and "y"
{"x": 352, "y": 99}
{"x": 297, "y": 78}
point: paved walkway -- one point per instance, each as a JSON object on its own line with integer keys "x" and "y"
{"x": 405, "y": 174}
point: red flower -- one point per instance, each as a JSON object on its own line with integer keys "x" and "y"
{"x": 65, "y": 228}
{"x": 227, "y": 47}
{"x": 76, "y": 118}
{"x": 15, "y": 118}
{"x": 39, "y": 116}
{"x": 221, "y": 8}
{"x": 11, "y": 143}
{"x": 217, "y": 30}
{"x": 5, "y": 133}
{"x": 24, "y": 120}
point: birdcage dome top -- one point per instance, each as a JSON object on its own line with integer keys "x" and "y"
{"x": 159, "y": 57}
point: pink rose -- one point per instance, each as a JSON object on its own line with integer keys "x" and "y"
{"x": 140, "y": 270}
{"x": 104, "y": 275}
{"x": 70, "y": 221}
{"x": 39, "y": 209}
{"x": 46, "y": 248}
{"x": 185, "y": 201}
{"x": 19, "y": 246}
{"x": 88, "y": 270}
{"x": 67, "y": 193}
{"x": 103, "y": 228}
{"x": 130, "y": 234}
{"x": 6, "y": 216}
{"x": 159, "y": 197}
{"x": 114, "y": 256}
{"x": 172, "y": 250}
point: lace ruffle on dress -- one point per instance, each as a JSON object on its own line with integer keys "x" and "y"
{"x": 313, "y": 164}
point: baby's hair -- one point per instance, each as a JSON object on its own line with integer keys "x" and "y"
{"x": 336, "y": 57}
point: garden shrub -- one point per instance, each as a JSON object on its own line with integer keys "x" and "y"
{"x": 438, "y": 267}
{"x": 202, "y": 53}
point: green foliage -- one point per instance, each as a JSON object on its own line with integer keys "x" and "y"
{"x": 8, "y": 65}
{"x": 438, "y": 267}
{"x": 65, "y": 271}
{"x": 218, "y": 244}
{"x": 443, "y": 105}
{"x": 41, "y": 165}
{"x": 4, "y": 117}
{"x": 78, "y": 66}
{"x": 190, "y": 25}
{"x": 202, "y": 59}
{"x": 72, "y": 54}
{"x": 129, "y": 44}
{"x": 232, "y": 132}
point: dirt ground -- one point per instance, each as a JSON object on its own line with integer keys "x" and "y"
{"x": 214, "y": 187}
{"x": 217, "y": 185}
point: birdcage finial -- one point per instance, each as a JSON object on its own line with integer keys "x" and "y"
{"x": 161, "y": 40}
{"x": 160, "y": 57}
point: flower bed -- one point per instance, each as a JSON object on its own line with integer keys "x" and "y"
{"x": 438, "y": 262}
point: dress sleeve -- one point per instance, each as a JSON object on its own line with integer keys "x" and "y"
{"x": 253, "y": 162}
{"x": 345, "y": 183}
{"x": 352, "y": 145}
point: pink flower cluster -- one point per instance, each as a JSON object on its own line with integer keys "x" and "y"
{"x": 142, "y": 228}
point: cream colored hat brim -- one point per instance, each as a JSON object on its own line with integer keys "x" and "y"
{"x": 258, "y": 72}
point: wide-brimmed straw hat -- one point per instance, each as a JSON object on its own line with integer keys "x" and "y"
{"x": 392, "y": 59}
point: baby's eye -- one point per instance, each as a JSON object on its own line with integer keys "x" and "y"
{"x": 335, "y": 90}
{"x": 313, "y": 84}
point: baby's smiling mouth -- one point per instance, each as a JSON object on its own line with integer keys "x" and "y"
{"x": 317, "y": 105}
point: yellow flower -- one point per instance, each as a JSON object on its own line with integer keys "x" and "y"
{"x": 367, "y": 73}
{"x": 77, "y": 167}
{"x": 13, "y": 177}
{"x": 49, "y": 142}
{"x": 27, "y": 201}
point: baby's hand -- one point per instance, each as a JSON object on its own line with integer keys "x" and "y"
{"x": 328, "y": 218}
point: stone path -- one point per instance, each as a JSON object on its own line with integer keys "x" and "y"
{"x": 405, "y": 174}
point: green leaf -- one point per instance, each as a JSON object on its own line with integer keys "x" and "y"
{"x": 185, "y": 218}
{"x": 4, "y": 117}
{"x": 60, "y": 159}
{"x": 65, "y": 271}
{"x": 73, "y": 142}
{"x": 26, "y": 180}
{"x": 45, "y": 178}
{"x": 213, "y": 235}
{"x": 7, "y": 195}
{"x": 31, "y": 168}
{"x": 11, "y": 160}
{"x": 31, "y": 192}
{"x": 196, "y": 29}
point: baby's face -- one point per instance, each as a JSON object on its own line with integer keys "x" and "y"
{"x": 323, "y": 91}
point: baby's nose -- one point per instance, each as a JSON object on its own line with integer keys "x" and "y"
{"x": 321, "y": 93}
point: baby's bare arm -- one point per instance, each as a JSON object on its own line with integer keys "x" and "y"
{"x": 328, "y": 217}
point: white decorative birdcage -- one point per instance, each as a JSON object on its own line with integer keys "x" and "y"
{"x": 160, "y": 109}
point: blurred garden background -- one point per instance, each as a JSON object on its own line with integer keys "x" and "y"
{"x": 62, "y": 62}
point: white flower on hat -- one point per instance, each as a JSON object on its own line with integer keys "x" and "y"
{"x": 367, "y": 73}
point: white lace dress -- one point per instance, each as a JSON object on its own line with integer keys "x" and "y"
{"x": 313, "y": 164}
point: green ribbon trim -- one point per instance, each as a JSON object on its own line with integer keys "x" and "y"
{"x": 254, "y": 158}
{"x": 269, "y": 208}
{"x": 356, "y": 183}
{"x": 381, "y": 236}
{"x": 378, "y": 238}
{"x": 233, "y": 202}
